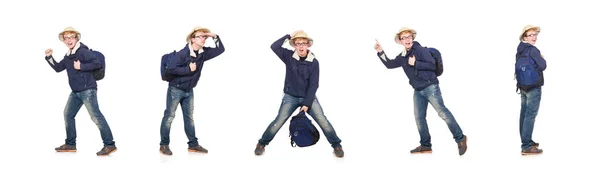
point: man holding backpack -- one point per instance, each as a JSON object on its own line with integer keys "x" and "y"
{"x": 301, "y": 83}
{"x": 530, "y": 79}
{"x": 185, "y": 66}
{"x": 81, "y": 63}
{"x": 420, "y": 68}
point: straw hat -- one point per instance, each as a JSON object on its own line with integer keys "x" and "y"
{"x": 397, "y": 37}
{"x": 527, "y": 28}
{"x": 196, "y": 29}
{"x": 69, "y": 29}
{"x": 301, "y": 34}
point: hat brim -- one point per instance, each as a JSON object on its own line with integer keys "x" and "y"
{"x": 61, "y": 38}
{"x": 397, "y": 36}
{"x": 537, "y": 29}
{"x": 189, "y": 36}
{"x": 310, "y": 41}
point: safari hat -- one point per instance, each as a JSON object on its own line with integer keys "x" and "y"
{"x": 301, "y": 34}
{"x": 196, "y": 29}
{"x": 397, "y": 37}
{"x": 69, "y": 29}
{"x": 527, "y": 28}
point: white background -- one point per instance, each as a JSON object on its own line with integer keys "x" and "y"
{"x": 240, "y": 91}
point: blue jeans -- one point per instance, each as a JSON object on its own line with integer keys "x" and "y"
{"x": 530, "y": 103}
{"x": 176, "y": 96}
{"x": 288, "y": 105}
{"x": 433, "y": 95}
{"x": 90, "y": 100}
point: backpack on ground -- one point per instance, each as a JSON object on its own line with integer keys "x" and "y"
{"x": 527, "y": 72}
{"x": 98, "y": 74}
{"x": 437, "y": 56}
{"x": 302, "y": 132}
{"x": 164, "y": 66}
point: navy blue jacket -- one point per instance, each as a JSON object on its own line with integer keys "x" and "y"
{"x": 422, "y": 74}
{"x": 301, "y": 77}
{"x": 79, "y": 80}
{"x": 534, "y": 52}
{"x": 180, "y": 65}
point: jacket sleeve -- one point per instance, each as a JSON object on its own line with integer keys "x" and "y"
{"x": 537, "y": 57}
{"x": 93, "y": 62}
{"x": 210, "y": 52}
{"x": 177, "y": 66}
{"x": 280, "y": 51}
{"x": 313, "y": 85}
{"x": 57, "y": 66}
{"x": 425, "y": 61}
{"x": 391, "y": 63}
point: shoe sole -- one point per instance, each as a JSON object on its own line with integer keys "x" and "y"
{"x": 66, "y": 150}
{"x": 191, "y": 150}
{"x": 528, "y": 153}
{"x": 107, "y": 153}
{"x": 422, "y": 152}
{"x": 165, "y": 153}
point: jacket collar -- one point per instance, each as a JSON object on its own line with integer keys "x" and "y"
{"x": 201, "y": 50}
{"x": 309, "y": 58}
{"x": 71, "y": 52}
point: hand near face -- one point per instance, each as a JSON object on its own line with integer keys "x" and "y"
{"x": 213, "y": 35}
{"x": 295, "y": 32}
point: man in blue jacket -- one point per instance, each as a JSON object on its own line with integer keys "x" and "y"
{"x": 301, "y": 83}
{"x": 80, "y": 63}
{"x": 530, "y": 98}
{"x": 186, "y": 67}
{"x": 419, "y": 66}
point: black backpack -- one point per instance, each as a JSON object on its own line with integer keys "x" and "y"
{"x": 302, "y": 132}
{"x": 527, "y": 73}
{"x": 98, "y": 74}
{"x": 164, "y": 66}
{"x": 437, "y": 56}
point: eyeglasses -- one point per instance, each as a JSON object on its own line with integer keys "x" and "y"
{"x": 301, "y": 44}
{"x": 201, "y": 37}
{"x": 532, "y": 35}
{"x": 69, "y": 37}
{"x": 406, "y": 38}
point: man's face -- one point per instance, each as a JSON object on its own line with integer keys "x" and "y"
{"x": 531, "y": 36}
{"x": 406, "y": 39}
{"x": 199, "y": 38}
{"x": 70, "y": 39}
{"x": 301, "y": 45}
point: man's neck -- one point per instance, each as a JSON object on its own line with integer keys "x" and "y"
{"x": 195, "y": 47}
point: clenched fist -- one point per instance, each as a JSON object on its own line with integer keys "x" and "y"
{"x": 193, "y": 66}
{"x": 48, "y": 52}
